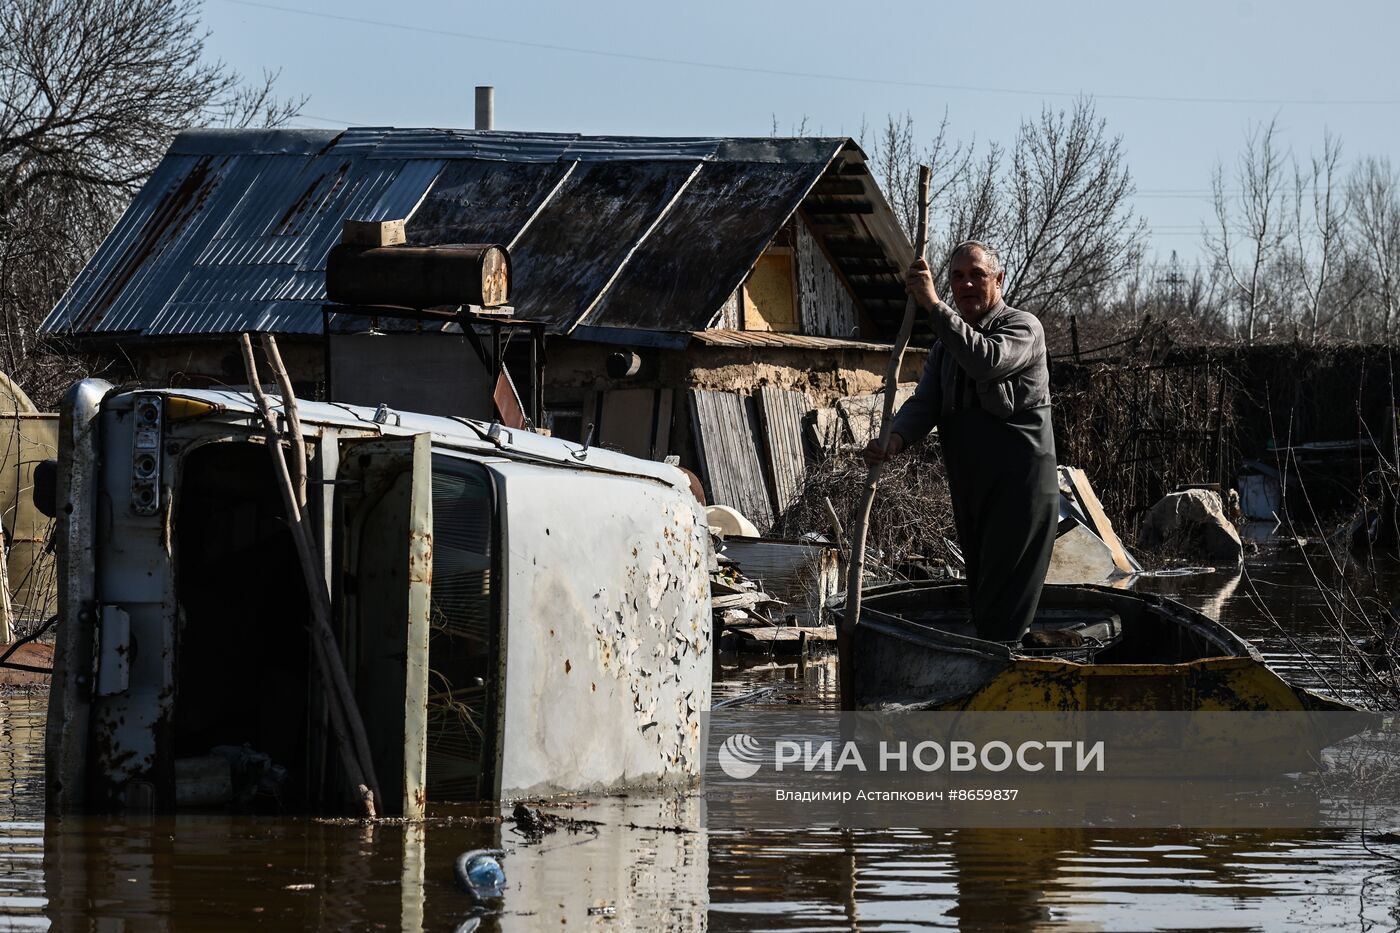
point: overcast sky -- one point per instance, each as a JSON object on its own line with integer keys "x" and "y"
{"x": 1180, "y": 82}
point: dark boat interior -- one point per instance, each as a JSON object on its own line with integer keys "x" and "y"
{"x": 1110, "y": 626}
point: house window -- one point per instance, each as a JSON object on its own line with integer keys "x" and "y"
{"x": 769, "y": 293}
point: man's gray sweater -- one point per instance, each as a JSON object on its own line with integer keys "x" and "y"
{"x": 1003, "y": 357}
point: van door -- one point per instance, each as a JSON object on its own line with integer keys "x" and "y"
{"x": 384, "y": 572}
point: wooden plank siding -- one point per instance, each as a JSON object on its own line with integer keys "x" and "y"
{"x": 825, "y": 305}
{"x": 726, "y": 446}
{"x": 780, "y": 418}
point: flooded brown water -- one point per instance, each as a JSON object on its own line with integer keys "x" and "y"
{"x": 647, "y": 863}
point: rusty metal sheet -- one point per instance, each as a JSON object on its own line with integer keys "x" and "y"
{"x": 171, "y": 251}
{"x": 161, "y": 233}
{"x": 718, "y": 337}
{"x": 117, "y": 260}
{"x": 366, "y": 189}
{"x": 214, "y": 231}
{"x": 508, "y": 408}
{"x": 726, "y": 441}
{"x": 780, "y": 414}
{"x": 280, "y": 200}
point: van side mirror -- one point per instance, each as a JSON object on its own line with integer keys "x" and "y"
{"x": 46, "y": 487}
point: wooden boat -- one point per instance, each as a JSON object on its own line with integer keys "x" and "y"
{"x": 915, "y": 649}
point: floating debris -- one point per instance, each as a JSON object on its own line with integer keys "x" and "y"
{"x": 479, "y": 873}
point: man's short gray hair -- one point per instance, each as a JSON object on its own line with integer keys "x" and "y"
{"x": 993, "y": 258}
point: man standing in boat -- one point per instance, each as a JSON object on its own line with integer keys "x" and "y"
{"x": 986, "y": 387}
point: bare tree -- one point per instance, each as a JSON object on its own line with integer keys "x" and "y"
{"x": 1070, "y": 232}
{"x": 1249, "y": 236}
{"x": 896, "y": 156}
{"x": 1057, "y": 209}
{"x": 1319, "y": 237}
{"x": 978, "y": 211}
{"x": 1373, "y": 209}
{"x": 1185, "y": 298}
{"x": 91, "y": 93}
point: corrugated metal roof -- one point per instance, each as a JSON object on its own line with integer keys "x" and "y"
{"x": 233, "y": 228}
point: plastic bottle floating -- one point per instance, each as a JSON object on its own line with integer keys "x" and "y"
{"x": 479, "y": 873}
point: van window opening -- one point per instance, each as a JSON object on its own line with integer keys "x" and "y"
{"x": 242, "y": 653}
{"x": 462, "y": 647}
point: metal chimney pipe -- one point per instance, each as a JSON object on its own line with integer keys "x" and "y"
{"x": 485, "y": 107}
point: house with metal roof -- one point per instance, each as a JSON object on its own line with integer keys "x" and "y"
{"x": 703, "y": 263}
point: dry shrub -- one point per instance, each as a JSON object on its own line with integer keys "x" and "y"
{"x": 1139, "y": 431}
{"x": 910, "y": 522}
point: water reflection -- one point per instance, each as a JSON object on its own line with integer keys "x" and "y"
{"x": 651, "y": 860}
{"x": 1064, "y": 879}
{"x": 1284, "y": 600}
{"x": 642, "y": 867}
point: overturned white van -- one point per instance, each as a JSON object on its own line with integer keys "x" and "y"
{"x": 561, "y": 637}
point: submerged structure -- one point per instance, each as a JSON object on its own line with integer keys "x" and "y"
{"x": 516, "y": 614}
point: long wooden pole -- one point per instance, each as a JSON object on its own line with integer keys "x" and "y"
{"x": 346, "y": 723}
{"x": 289, "y": 409}
{"x": 845, "y": 635}
{"x": 324, "y": 638}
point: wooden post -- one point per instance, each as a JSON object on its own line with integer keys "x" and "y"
{"x": 845, "y": 635}
{"x": 289, "y": 409}
{"x": 1074, "y": 337}
{"x": 836, "y": 530}
{"x": 7, "y": 611}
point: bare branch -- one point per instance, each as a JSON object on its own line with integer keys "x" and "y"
{"x": 91, "y": 94}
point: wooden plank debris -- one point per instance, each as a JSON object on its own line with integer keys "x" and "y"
{"x": 780, "y": 416}
{"x": 749, "y": 599}
{"x": 1101, "y": 525}
{"x": 373, "y": 233}
{"x": 804, "y": 576}
{"x": 823, "y": 431}
{"x": 778, "y": 639}
{"x": 726, "y": 439}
